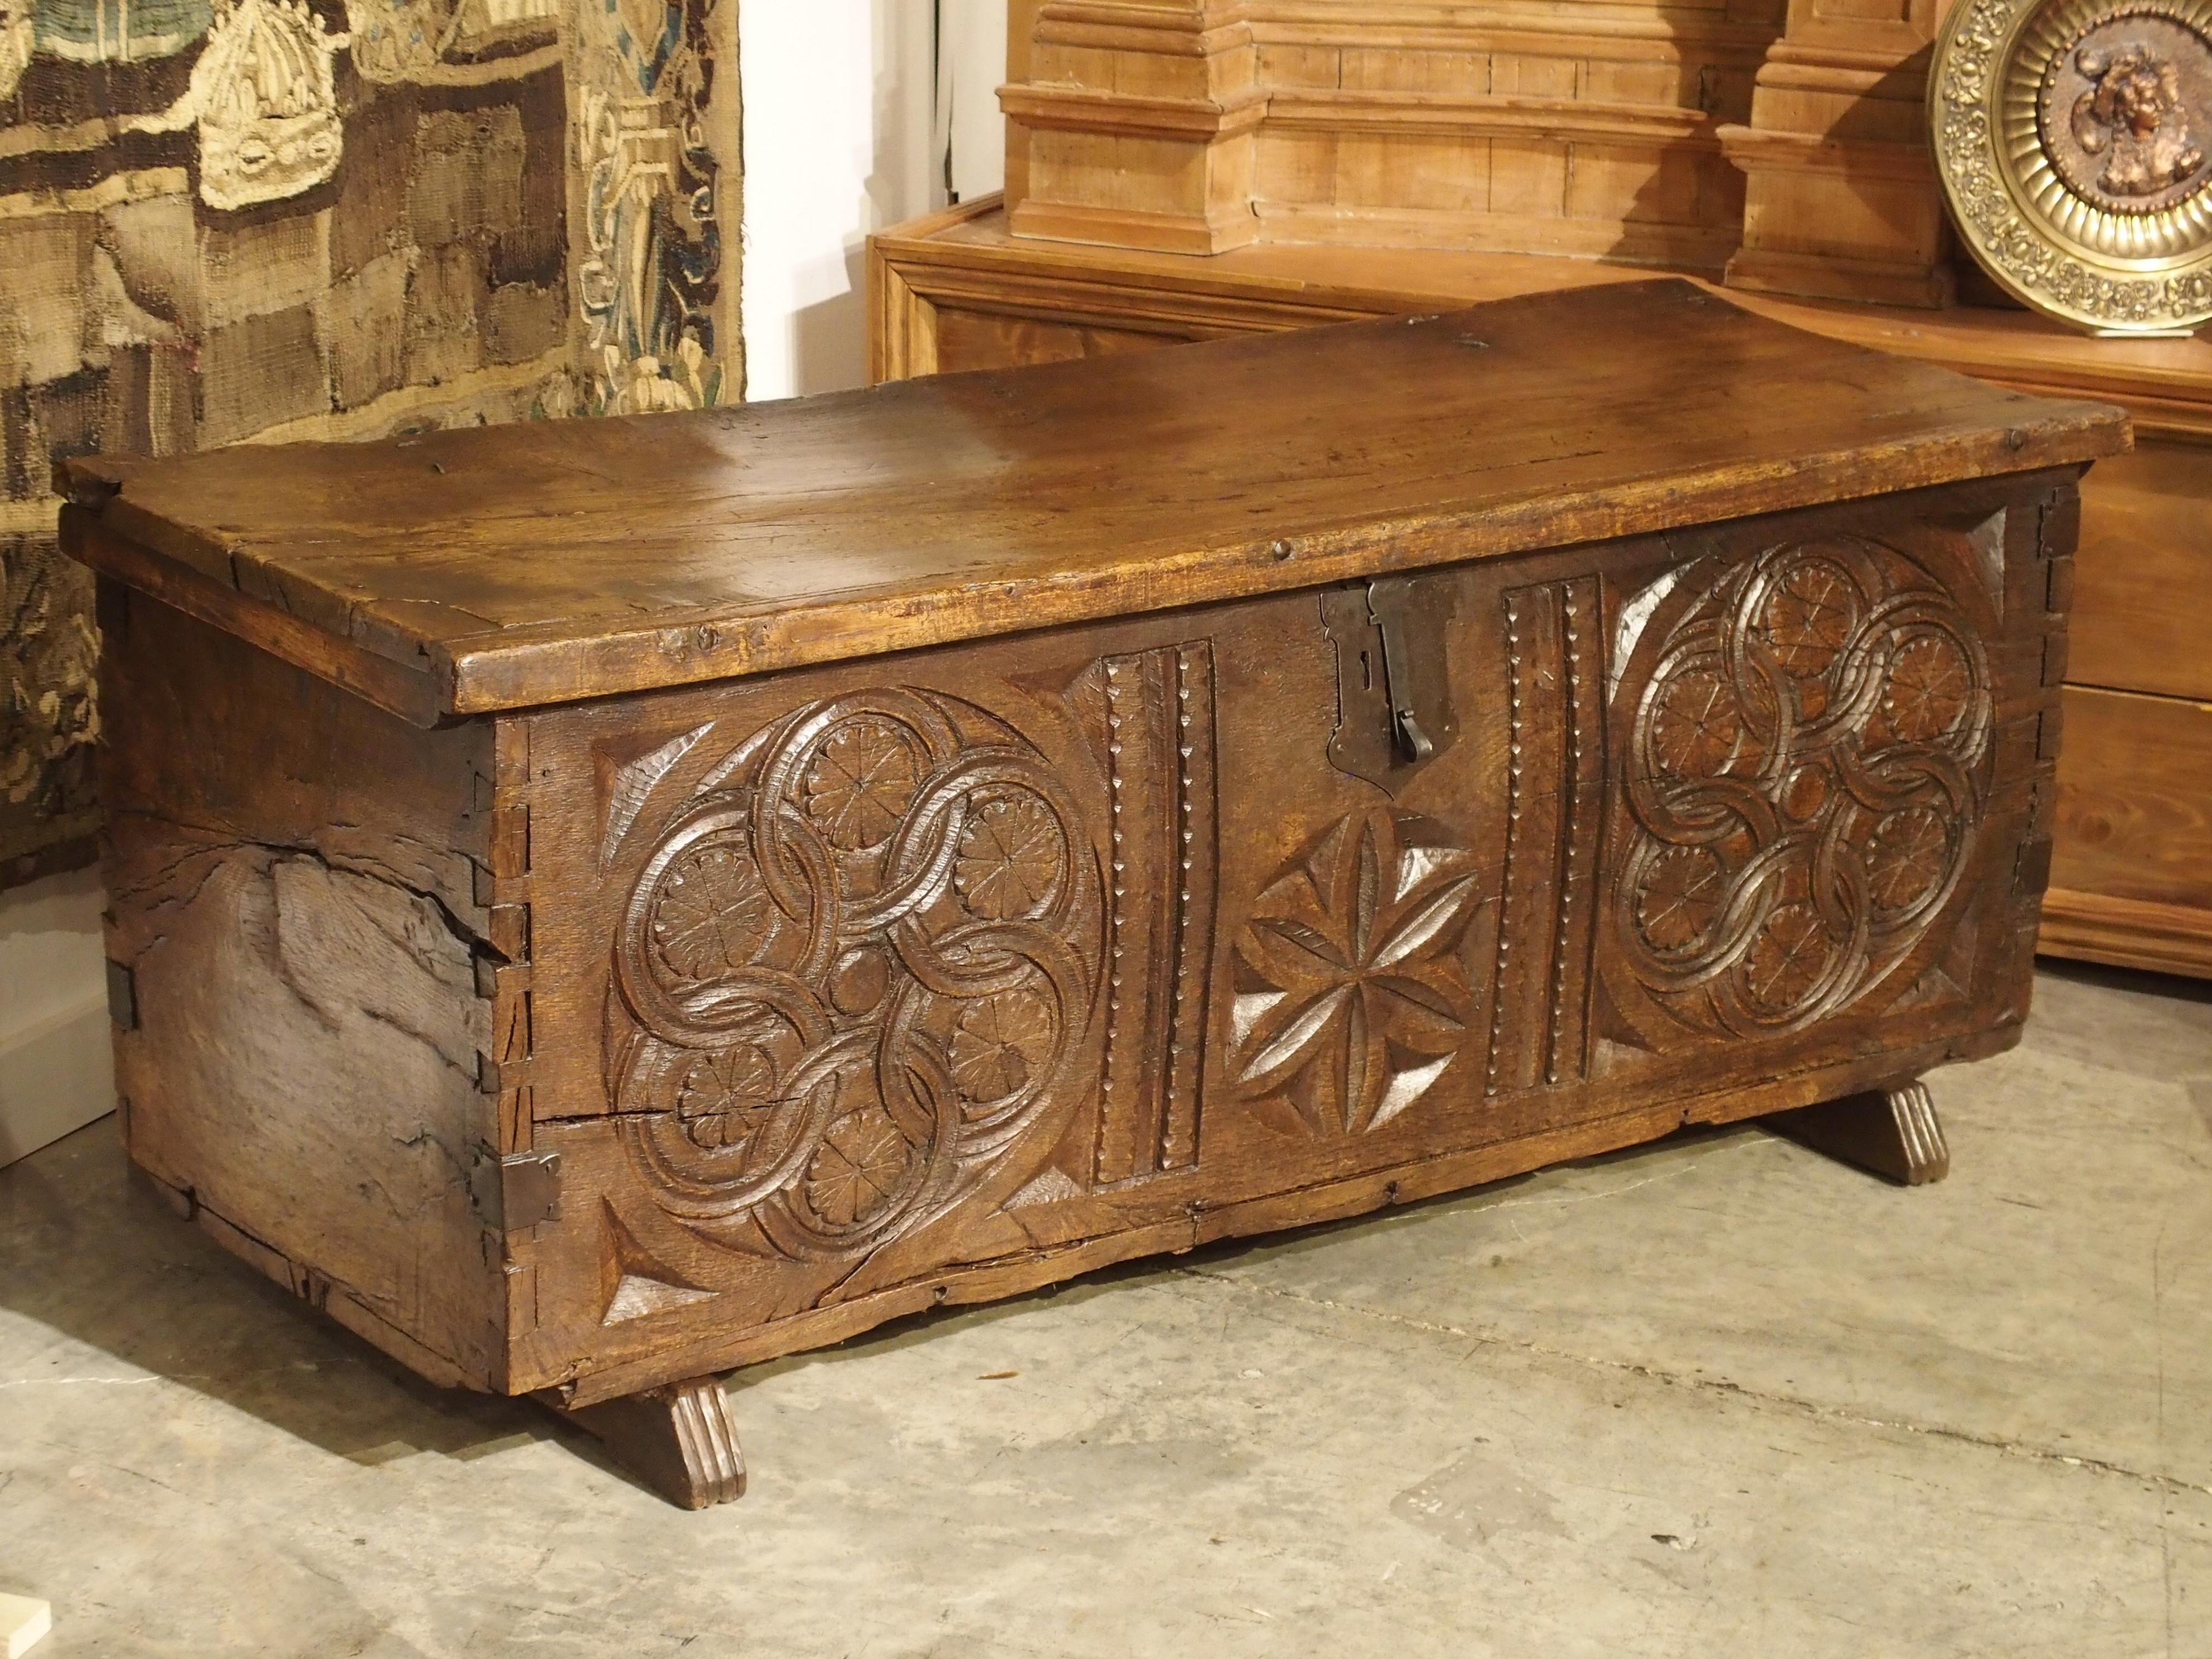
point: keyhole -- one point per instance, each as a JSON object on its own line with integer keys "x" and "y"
{"x": 1366, "y": 672}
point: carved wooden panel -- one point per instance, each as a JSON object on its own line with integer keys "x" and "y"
{"x": 974, "y": 964}
{"x": 1803, "y": 740}
{"x": 1350, "y": 1003}
{"x": 853, "y": 974}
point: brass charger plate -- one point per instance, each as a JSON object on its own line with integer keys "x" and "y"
{"x": 2074, "y": 139}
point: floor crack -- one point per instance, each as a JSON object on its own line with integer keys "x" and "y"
{"x": 1797, "y": 1403}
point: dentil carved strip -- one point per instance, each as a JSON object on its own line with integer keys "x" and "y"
{"x": 1555, "y": 780}
{"x": 1160, "y": 707}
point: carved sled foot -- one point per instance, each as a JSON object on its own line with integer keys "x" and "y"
{"x": 678, "y": 1440}
{"x": 1891, "y": 1132}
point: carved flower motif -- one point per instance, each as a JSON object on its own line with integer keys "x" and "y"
{"x": 1788, "y": 958}
{"x": 855, "y": 1173}
{"x": 1682, "y": 894}
{"x": 1363, "y": 1001}
{"x": 1810, "y": 616}
{"x": 1906, "y": 857}
{"x": 1927, "y": 690}
{"x": 1697, "y": 728}
{"x": 862, "y": 784}
{"x": 726, "y": 1099}
{"x": 999, "y": 1044}
{"x": 713, "y": 914}
{"x": 1009, "y": 858}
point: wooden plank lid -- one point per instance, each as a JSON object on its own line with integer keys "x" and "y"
{"x": 460, "y": 572}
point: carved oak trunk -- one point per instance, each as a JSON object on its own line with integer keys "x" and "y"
{"x": 597, "y": 904}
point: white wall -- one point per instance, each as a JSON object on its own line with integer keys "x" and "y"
{"x": 56, "y": 1070}
{"x": 971, "y": 67}
{"x": 850, "y": 107}
{"x": 838, "y": 97}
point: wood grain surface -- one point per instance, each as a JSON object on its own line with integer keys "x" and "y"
{"x": 2143, "y": 591}
{"x": 1446, "y": 766}
{"x": 520, "y": 568}
{"x": 2135, "y": 798}
{"x": 955, "y": 291}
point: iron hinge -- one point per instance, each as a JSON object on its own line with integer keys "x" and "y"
{"x": 517, "y": 1191}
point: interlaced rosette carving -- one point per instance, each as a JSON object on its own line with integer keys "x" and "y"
{"x": 1806, "y": 763}
{"x": 852, "y": 972}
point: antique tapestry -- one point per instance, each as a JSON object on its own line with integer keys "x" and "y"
{"x": 231, "y": 221}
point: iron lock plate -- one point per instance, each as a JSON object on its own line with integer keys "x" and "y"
{"x": 1393, "y": 684}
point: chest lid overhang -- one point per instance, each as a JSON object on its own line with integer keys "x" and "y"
{"x": 462, "y": 572}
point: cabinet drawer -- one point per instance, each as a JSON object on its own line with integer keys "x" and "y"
{"x": 2142, "y": 590}
{"x": 2134, "y": 799}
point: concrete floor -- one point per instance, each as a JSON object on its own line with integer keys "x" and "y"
{"x": 1715, "y": 1397}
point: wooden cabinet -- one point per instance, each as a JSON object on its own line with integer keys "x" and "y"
{"x": 958, "y": 291}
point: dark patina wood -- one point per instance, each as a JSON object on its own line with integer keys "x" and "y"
{"x": 600, "y": 904}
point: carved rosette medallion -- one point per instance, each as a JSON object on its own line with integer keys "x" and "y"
{"x": 1351, "y": 998}
{"x": 2074, "y": 138}
{"x": 1806, "y": 761}
{"x": 853, "y": 973}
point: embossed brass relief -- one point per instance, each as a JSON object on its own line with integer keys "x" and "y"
{"x": 2074, "y": 138}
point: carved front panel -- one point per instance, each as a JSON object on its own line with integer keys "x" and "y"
{"x": 1351, "y": 1000}
{"x": 1010, "y": 957}
{"x": 854, "y": 973}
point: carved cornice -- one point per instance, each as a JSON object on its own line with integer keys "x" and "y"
{"x": 1881, "y": 62}
{"x": 1676, "y": 32}
{"x": 1201, "y": 28}
{"x": 1416, "y": 114}
{"x": 1755, "y": 148}
{"x": 1800, "y": 72}
{"x": 1083, "y": 109}
{"x": 1669, "y": 33}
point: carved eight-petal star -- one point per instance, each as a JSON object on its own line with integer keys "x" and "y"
{"x": 998, "y": 1043}
{"x": 1680, "y": 895}
{"x": 1906, "y": 856}
{"x": 727, "y": 1098}
{"x": 1928, "y": 688}
{"x": 1788, "y": 958}
{"x": 713, "y": 914}
{"x": 1697, "y": 728}
{"x": 1335, "y": 994}
{"x": 1810, "y": 617}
